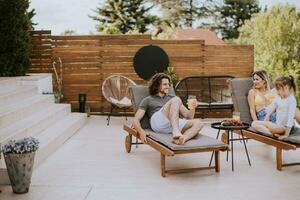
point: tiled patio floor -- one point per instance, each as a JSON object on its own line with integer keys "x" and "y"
{"x": 93, "y": 165}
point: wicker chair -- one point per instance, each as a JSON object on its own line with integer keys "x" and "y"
{"x": 115, "y": 90}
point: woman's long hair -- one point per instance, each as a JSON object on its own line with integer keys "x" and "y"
{"x": 156, "y": 81}
{"x": 264, "y": 76}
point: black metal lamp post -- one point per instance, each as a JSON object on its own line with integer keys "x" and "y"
{"x": 81, "y": 101}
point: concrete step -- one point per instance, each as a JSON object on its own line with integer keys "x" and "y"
{"x": 10, "y": 81}
{"x": 20, "y": 109}
{"x": 16, "y": 94}
{"x": 35, "y": 123}
{"x": 25, "y": 112}
{"x": 7, "y": 88}
{"x": 55, "y": 136}
{"x": 51, "y": 139}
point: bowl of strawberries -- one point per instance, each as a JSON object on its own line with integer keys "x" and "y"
{"x": 230, "y": 124}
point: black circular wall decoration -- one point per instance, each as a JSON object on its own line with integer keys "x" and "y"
{"x": 149, "y": 60}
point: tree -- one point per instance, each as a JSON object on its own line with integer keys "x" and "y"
{"x": 68, "y": 32}
{"x": 275, "y": 35}
{"x": 232, "y": 14}
{"x": 165, "y": 32}
{"x": 183, "y": 13}
{"x": 122, "y": 16}
{"x": 15, "y": 43}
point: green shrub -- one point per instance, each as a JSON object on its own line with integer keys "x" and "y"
{"x": 171, "y": 73}
{"x": 275, "y": 35}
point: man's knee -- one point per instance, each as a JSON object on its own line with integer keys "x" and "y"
{"x": 176, "y": 100}
{"x": 198, "y": 124}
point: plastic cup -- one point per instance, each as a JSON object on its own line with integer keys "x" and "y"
{"x": 236, "y": 116}
{"x": 191, "y": 99}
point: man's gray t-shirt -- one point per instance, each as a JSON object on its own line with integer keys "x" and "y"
{"x": 154, "y": 103}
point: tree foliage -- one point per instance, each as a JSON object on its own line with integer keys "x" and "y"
{"x": 183, "y": 13}
{"x": 165, "y": 32}
{"x": 15, "y": 43}
{"x": 232, "y": 14}
{"x": 275, "y": 35}
{"x": 68, "y": 32}
{"x": 122, "y": 16}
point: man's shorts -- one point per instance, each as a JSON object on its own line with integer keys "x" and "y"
{"x": 161, "y": 124}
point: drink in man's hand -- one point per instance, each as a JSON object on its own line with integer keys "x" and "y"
{"x": 191, "y": 101}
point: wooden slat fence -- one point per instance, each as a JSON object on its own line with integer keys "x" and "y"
{"x": 88, "y": 60}
{"x": 42, "y": 52}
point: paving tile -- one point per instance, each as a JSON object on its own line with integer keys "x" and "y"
{"x": 93, "y": 164}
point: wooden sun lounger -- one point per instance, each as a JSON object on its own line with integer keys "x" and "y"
{"x": 162, "y": 142}
{"x": 240, "y": 88}
{"x": 167, "y": 151}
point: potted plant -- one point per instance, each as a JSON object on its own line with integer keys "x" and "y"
{"x": 19, "y": 159}
{"x": 57, "y": 68}
{"x": 58, "y": 96}
{"x": 171, "y": 73}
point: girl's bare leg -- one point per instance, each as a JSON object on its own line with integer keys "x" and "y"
{"x": 260, "y": 127}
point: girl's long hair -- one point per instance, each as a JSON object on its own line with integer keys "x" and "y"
{"x": 286, "y": 80}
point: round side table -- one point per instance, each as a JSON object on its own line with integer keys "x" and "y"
{"x": 230, "y": 138}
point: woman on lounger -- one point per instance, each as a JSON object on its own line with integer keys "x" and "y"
{"x": 260, "y": 96}
{"x": 284, "y": 105}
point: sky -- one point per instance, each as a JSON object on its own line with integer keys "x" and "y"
{"x": 60, "y": 15}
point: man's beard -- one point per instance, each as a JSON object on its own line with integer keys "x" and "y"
{"x": 165, "y": 91}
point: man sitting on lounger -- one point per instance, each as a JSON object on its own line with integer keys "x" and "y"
{"x": 163, "y": 110}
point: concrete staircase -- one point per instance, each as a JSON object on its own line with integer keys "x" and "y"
{"x": 25, "y": 111}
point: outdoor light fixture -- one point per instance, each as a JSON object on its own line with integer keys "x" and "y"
{"x": 81, "y": 101}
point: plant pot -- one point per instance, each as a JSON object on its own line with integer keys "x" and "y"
{"x": 57, "y": 99}
{"x": 19, "y": 168}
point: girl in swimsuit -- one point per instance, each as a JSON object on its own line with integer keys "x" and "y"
{"x": 261, "y": 96}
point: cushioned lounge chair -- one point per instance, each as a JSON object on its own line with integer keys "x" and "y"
{"x": 162, "y": 142}
{"x": 240, "y": 88}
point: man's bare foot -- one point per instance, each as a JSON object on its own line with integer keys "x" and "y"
{"x": 175, "y": 141}
{"x": 176, "y": 134}
{"x": 180, "y": 141}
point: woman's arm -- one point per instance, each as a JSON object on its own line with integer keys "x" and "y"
{"x": 271, "y": 108}
{"x": 251, "y": 103}
{"x": 297, "y": 115}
